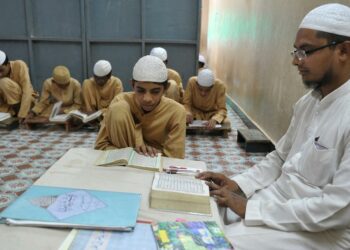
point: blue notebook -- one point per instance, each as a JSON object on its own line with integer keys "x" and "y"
{"x": 74, "y": 208}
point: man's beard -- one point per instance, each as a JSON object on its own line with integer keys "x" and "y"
{"x": 317, "y": 84}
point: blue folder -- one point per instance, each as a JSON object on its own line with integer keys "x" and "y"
{"x": 74, "y": 208}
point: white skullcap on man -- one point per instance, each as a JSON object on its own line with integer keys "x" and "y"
{"x": 201, "y": 58}
{"x": 102, "y": 68}
{"x": 331, "y": 18}
{"x": 150, "y": 69}
{"x": 160, "y": 53}
{"x": 2, "y": 57}
{"x": 205, "y": 78}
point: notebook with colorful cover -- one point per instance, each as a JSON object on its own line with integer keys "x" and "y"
{"x": 190, "y": 235}
{"x": 73, "y": 208}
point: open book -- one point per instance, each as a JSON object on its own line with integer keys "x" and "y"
{"x": 180, "y": 193}
{"x": 56, "y": 117}
{"x": 45, "y": 206}
{"x": 129, "y": 157}
{"x": 201, "y": 124}
{"x": 4, "y": 116}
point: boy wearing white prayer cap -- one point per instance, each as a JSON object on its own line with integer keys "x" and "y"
{"x": 16, "y": 90}
{"x": 145, "y": 119}
{"x": 175, "y": 90}
{"x": 99, "y": 90}
{"x": 60, "y": 87}
{"x": 201, "y": 62}
{"x": 205, "y": 99}
{"x": 298, "y": 197}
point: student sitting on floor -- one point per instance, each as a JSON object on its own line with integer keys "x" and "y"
{"x": 60, "y": 87}
{"x": 205, "y": 99}
{"x": 201, "y": 62}
{"x": 16, "y": 91}
{"x": 145, "y": 119}
{"x": 99, "y": 90}
{"x": 175, "y": 90}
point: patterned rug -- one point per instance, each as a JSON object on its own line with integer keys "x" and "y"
{"x": 26, "y": 154}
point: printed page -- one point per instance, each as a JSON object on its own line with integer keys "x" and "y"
{"x": 4, "y": 116}
{"x": 142, "y": 161}
{"x": 179, "y": 183}
{"x": 92, "y": 116}
{"x": 118, "y": 156}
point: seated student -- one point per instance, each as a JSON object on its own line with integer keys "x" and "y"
{"x": 175, "y": 90}
{"x": 205, "y": 99}
{"x": 99, "y": 90}
{"x": 60, "y": 87}
{"x": 298, "y": 197}
{"x": 201, "y": 62}
{"x": 16, "y": 91}
{"x": 145, "y": 119}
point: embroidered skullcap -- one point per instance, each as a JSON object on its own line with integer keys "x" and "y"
{"x": 2, "y": 57}
{"x": 160, "y": 53}
{"x": 201, "y": 58}
{"x": 331, "y": 18}
{"x": 61, "y": 74}
{"x": 102, "y": 68}
{"x": 205, "y": 78}
{"x": 150, "y": 69}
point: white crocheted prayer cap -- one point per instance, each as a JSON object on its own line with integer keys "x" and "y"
{"x": 201, "y": 58}
{"x": 160, "y": 53}
{"x": 150, "y": 69}
{"x": 102, "y": 68}
{"x": 205, "y": 78}
{"x": 2, "y": 57}
{"x": 332, "y": 18}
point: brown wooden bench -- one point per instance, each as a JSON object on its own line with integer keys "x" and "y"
{"x": 43, "y": 120}
{"x": 252, "y": 140}
{"x": 223, "y": 130}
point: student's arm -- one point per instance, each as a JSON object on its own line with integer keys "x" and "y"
{"x": 86, "y": 94}
{"x": 27, "y": 90}
{"x": 44, "y": 98}
{"x": 187, "y": 99}
{"x": 221, "y": 105}
{"x": 102, "y": 140}
{"x": 76, "y": 98}
{"x": 174, "y": 145}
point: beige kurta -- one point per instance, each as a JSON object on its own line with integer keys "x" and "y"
{"x": 19, "y": 74}
{"x": 175, "y": 90}
{"x": 97, "y": 97}
{"x": 10, "y": 94}
{"x": 51, "y": 93}
{"x": 212, "y": 106}
{"x": 127, "y": 125}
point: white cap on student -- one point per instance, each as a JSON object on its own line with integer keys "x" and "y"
{"x": 205, "y": 78}
{"x": 201, "y": 58}
{"x": 150, "y": 69}
{"x": 331, "y": 18}
{"x": 160, "y": 53}
{"x": 102, "y": 68}
{"x": 2, "y": 57}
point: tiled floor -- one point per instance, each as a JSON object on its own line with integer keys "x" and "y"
{"x": 26, "y": 154}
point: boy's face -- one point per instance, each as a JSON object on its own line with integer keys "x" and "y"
{"x": 203, "y": 91}
{"x": 148, "y": 94}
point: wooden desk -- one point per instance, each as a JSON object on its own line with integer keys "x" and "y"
{"x": 76, "y": 170}
{"x": 223, "y": 130}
